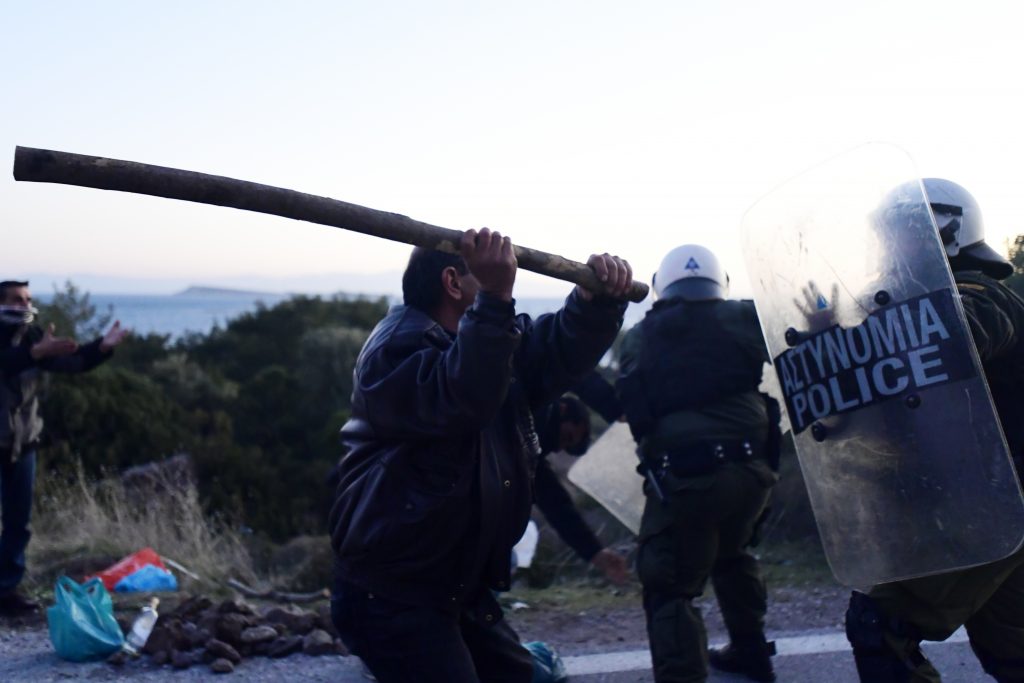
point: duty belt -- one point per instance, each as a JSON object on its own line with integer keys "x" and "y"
{"x": 704, "y": 457}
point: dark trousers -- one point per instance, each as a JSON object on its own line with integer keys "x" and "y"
{"x": 403, "y": 643}
{"x": 701, "y": 531}
{"x": 16, "y": 481}
{"x": 987, "y": 599}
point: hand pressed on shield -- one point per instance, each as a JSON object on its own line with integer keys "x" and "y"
{"x": 614, "y": 273}
{"x": 819, "y": 311}
{"x": 491, "y": 260}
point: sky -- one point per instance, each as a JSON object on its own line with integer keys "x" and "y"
{"x": 573, "y": 127}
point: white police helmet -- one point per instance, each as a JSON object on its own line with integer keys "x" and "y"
{"x": 961, "y": 228}
{"x": 691, "y": 272}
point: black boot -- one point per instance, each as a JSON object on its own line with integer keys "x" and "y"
{"x": 14, "y": 604}
{"x": 751, "y": 658}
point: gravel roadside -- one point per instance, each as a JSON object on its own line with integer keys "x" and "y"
{"x": 27, "y": 656}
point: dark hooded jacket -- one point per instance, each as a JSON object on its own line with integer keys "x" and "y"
{"x": 435, "y": 486}
{"x": 21, "y": 379}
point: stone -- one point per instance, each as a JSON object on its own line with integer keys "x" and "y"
{"x": 222, "y": 666}
{"x": 222, "y": 650}
{"x": 299, "y": 621}
{"x": 258, "y": 634}
{"x": 118, "y": 658}
{"x": 230, "y": 626}
{"x": 192, "y": 606}
{"x": 318, "y": 642}
{"x": 160, "y": 658}
{"x": 324, "y": 620}
{"x": 164, "y": 637}
{"x": 284, "y": 646}
{"x": 182, "y": 660}
{"x": 193, "y": 635}
{"x": 236, "y": 607}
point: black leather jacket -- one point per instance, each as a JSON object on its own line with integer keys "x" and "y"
{"x": 435, "y": 486}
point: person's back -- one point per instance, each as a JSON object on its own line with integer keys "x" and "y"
{"x": 689, "y": 386}
{"x": 700, "y": 364}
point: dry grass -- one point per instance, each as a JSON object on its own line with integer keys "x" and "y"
{"x": 77, "y": 522}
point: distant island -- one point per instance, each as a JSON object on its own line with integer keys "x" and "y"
{"x": 224, "y": 291}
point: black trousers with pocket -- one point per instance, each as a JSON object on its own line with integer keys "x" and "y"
{"x": 403, "y": 643}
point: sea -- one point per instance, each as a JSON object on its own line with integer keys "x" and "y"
{"x": 199, "y": 310}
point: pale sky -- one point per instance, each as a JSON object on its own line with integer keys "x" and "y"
{"x": 574, "y": 127}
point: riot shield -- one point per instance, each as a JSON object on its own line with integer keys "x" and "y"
{"x": 607, "y": 473}
{"x": 905, "y": 462}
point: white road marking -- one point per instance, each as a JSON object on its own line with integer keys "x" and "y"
{"x": 638, "y": 660}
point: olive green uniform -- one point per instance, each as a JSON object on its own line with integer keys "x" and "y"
{"x": 989, "y": 599}
{"x": 698, "y": 401}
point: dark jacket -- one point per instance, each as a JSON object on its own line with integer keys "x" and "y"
{"x": 435, "y": 486}
{"x": 21, "y": 385}
{"x": 995, "y": 315}
{"x": 690, "y": 372}
{"x": 549, "y": 493}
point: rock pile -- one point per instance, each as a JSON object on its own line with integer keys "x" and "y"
{"x": 198, "y": 631}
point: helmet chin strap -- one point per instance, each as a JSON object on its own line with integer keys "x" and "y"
{"x": 15, "y": 316}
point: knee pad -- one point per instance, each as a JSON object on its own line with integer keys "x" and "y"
{"x": 876, "y": 661}
{"x": 1004, "y": 670}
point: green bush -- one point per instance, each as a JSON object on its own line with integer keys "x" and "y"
{"x": 257, "y": 404}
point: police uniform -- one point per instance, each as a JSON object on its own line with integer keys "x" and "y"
{"x": 691, "y": 371}
{"x": 887, "y": 625}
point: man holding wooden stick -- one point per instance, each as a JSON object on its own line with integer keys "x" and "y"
{"x": 435, "y": 486}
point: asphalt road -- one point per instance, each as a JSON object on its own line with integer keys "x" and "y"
{"x": 810, "y": 657}
{"x": 803, "y": 658}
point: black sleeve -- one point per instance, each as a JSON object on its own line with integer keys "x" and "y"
{"x": 554, "y": 501}
{"x": 599, "y": 395}
{"x": 14, "y": 359}
{"x": 411, "y": 389}
{"x": 84, "y": 359}
{"x": 560, "y": 348}
{"x": 994, "y": 315}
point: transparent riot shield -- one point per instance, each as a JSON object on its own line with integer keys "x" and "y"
{"x": 607, "y": 473}
{"x": 900, "y": 445}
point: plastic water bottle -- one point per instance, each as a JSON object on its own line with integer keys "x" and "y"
{"x": 142, "y": 627}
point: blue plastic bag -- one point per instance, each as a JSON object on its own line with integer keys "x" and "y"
{"x": 82, "y": 624}
{"x": 548, "y": 667}
{"x": 148, "y": 578}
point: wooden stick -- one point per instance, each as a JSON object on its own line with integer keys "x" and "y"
{"x": 48, "y": 166}
{"x": 279, "y": 596}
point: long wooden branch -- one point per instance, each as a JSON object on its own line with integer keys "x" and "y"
{"x": 279, "y": 596}
{"x": 48, "y": 166}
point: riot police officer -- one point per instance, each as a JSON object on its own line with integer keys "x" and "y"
{"x": 886, "y": 625}
{"x": 689, "y": 386}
